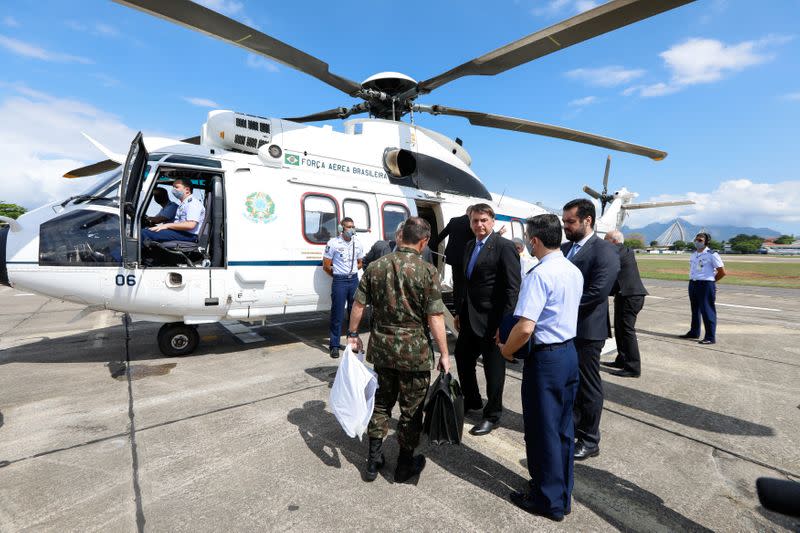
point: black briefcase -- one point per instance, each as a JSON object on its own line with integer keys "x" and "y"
{"x": 444, "y": 411}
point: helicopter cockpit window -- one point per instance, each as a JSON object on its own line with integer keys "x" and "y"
{"x": 320, "y": 218}
{"x": 517, "y": 230}
{"x": 358, "y": 210}
{"x": 80, "y": 238}
{"x": 393, "y": 215}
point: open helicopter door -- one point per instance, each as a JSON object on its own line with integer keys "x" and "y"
{"x": 130, "y": 188}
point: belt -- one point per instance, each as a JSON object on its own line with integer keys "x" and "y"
{"x": 345, "y": 276}
{"x": 702, "y": 280}
{"x": 550, "y": 347}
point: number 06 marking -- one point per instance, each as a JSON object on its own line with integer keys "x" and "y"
{"x": 121, "y": 280}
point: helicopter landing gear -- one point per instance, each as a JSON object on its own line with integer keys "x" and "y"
{"x": 177, "y": 339}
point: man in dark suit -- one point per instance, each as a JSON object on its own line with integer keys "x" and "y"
{"x": 598, "y": 261}
{"x": 460, "y": 232}
{"x": 629, "y": 293}
{"x": 492, "y": 281}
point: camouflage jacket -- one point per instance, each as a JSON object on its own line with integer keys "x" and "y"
{"x": 403, "y": 290}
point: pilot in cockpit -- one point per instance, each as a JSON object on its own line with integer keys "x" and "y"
{"x": 189, "y": 217}
{"x": 167, "y": 212}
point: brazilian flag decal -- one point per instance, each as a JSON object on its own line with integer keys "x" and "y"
{"x": 291, "y": 159}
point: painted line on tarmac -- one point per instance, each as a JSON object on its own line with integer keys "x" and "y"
{"x": 751, "y": 307}
{"x": 712, "y": 348}
{"x": 657, "y": 297}
{"x": 24, "y": 294}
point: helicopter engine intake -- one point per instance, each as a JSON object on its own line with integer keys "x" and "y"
{"x": 399, "y": 163}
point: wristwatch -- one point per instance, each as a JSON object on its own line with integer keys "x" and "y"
{"x": 352, "y": 334}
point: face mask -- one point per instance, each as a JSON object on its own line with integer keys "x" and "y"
{"x": 350, "y": 232}
{"x": 178, "y": 195}
{"x": 699, "y": 245}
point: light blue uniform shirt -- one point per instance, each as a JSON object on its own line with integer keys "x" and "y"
{"x": 702, "y": 265}
{"x": 191, "y": 209}
{"x": 550, "y": 296}
{"x": 344, "y": 255}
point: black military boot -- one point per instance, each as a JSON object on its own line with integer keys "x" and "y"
{"x": 408, "y": 466}
{"x": 376, "y": 460}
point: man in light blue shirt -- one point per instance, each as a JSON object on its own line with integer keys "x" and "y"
{"x": 705, "y": 270}
{"x": 547, "y": 309}
{"x": 189, "y": 217}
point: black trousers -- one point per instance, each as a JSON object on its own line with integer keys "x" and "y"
{"x": 468, "y": 347}
{"x": 589, "y": 401}
{"x": 626, "y": 308}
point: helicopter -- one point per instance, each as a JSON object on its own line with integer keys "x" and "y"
{"x": 275, "y": 189}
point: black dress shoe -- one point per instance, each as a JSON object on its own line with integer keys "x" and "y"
{"x": 524, "y": 502}
{"x": 624, "y": 373}
{"x": 689, "y": 336}
{"x": 484, "y": 428}
{"x": 707, "y": 341}
{"x": 613, "y": 364}
{"x": 335, "y": 352}
{"x": 582, "y": 451}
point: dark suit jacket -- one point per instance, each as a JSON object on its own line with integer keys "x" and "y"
{"x": 381, "y": 248}
{"x": 491, "y": 293}
{"x": 598, "y": 261}
{"x": 460, "y": 233}
{"x": 628, "y": 283}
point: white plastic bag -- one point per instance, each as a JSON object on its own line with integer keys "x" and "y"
{"x": 353, "y": 393}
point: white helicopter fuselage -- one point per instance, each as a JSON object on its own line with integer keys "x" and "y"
{"x": 274, "y": 207}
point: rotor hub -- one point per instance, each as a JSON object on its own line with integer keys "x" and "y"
{"x": 390, "y": 83}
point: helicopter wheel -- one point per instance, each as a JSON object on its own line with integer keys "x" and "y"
{"x": 177, "y": 339}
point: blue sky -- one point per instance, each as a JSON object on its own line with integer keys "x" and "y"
{"x": 715, "y": 83}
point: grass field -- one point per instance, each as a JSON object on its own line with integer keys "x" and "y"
{"x": 742, "y": 270}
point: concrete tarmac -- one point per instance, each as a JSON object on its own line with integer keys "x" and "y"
{"x": 97, "y": 436}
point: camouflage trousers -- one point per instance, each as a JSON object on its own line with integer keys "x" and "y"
{"x": 407, "y": 388}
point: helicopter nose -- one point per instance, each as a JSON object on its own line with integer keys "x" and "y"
{"x": 3, "y": 268}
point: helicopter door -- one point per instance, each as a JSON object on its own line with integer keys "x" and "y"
{"x": 130, "y": 188}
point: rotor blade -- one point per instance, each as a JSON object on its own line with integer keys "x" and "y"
{"x": 92, "y": 170}
{"x": 336, "y": 112}
{"x": 204, "y": 20}
{"x": 650, "y": 205}
{"x": 538, "y": 128}
{"x": 579, "y": 28}
{"x": 605, "y": 177}
{"x": 591, "y": 192}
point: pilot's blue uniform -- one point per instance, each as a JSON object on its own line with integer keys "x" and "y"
{"x": 190, "y": 208}
{"x": 550, "y": 296}
{"x": 703, "y": 267}
{"x": 344, "y": 256}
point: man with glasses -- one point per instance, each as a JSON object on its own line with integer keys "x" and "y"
{"x": 705, "y": 270}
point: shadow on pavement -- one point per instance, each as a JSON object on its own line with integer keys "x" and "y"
{"x": 622, "y": 503}
{"x": 683, "y": 413}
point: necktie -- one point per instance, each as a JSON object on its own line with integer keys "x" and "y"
{"x": 573, "y": 250}
{"x": 474, "y": 258}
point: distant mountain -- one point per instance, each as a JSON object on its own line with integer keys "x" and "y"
{"x": 718, "y": 233}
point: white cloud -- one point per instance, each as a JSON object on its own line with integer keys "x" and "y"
{"x": 581, "y": 102}
{"x": 794, "y": 97}
{"x": 10, "y": 21}
{"x": 226, "y": 7}
{"x": 698, "y": 61}
{"x": 552, "y": 8}
{"x": 610, "y": 76}
{"x": 737, "y": 202}
{"x": 258, "y": 62}
{"x": 106, "y": 80}
{"x": 201, "y": 102}
{"x": 97, "y": 28}
{"x": 41, "y": 140}
{"x": 29, "y": 50}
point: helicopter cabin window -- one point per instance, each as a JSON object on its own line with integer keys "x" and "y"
{"x": 358, "y": 210}
{"x": 202, "y": 246}
{"x": 320, "y": 218}
{"x": 517, "y": 230}
{"x": 80, "y": 238}
{"x": 393, "y": 214}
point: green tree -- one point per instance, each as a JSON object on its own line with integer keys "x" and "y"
{"x": 11, "y": 210}
{"x": 715, "y": 245}
{"x": 678, "y": 245}
{"x": 653, "y": 243}
{"x": 785, "y": 239}
{"x": 634, "y": 243}
{"x": 634, "y": 237}
{"x": 746, "y": 244}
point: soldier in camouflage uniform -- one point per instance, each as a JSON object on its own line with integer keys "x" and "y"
{"x": 405, "y": 295}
